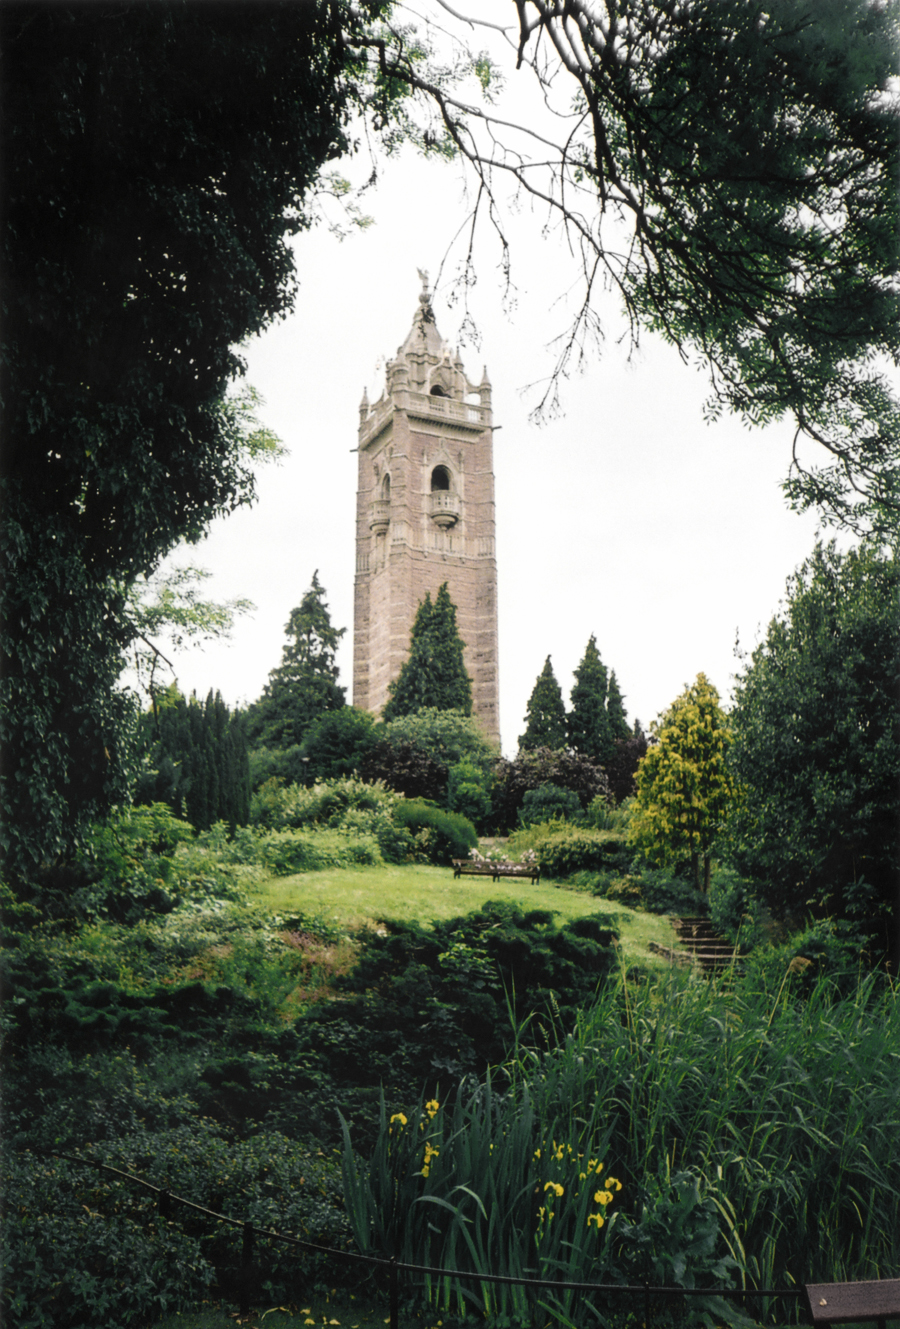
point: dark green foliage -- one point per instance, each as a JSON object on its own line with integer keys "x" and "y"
{"x": 597, "y": 719}
{"x": 434, "y": 675}
{"x": 336, "y": 744}
{"x": 87, "y": 1243}
{"x": 588, "y": 724}
{"x": 619, "y": 727}
{"x": 407, "y": 768}
{"x": 627, "y": 754}
{"x": 449, "y": 736}
{"x": 468, "y": 792}
{"x": 441, "y": 995}
{"x": 753, "y": 155}
{"x": 512, "y": 779}
{"x": 816, "y": 727}
{"x": 149, "y": 195}
{"x": 201, "y": 768}
{"x": 549, "y": 802}
{"x": 304, "y": 686}
{"x": 439, "y": 836}
{"x": 545, "y": 715}
{"x": 286, "y": 765}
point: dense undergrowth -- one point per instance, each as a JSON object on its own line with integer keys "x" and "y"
{"x": 168, "y": 1027}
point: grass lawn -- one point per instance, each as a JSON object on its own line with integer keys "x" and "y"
{"x": 354, "y": 896}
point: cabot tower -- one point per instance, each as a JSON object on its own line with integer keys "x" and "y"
{"x": 425, "y": 515}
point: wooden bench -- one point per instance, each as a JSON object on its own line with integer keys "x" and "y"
{"x": 465, "y": 867}
{"x": 877, "y": 1300}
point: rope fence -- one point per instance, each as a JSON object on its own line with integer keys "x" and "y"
{"x": 251, "y": 1232}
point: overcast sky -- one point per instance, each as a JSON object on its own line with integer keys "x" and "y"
{"x": 628, "y": 517}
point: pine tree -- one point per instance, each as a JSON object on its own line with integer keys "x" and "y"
{"x": 619, "y": 727}
{"x": 434, "y": 675}
{"x": 588, "y": 723}
{"x": 545, "y": 715}
{"x": 304, "y": 686}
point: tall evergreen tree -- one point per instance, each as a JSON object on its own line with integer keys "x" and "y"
{"x": 619, "y": 727}
{"x": 199, "y": 760}
{"x": 304, "y": 686}
{"x": 588, "y": 724}
{"x": 545, "y": 715}
{"x": 434, "y": 675}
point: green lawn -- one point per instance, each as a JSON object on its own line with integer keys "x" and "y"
{"x": 353, "y": 896}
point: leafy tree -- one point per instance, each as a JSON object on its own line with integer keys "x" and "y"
{"x": 530, "y": 770}
{"x": 816, "y": 748}
{"x": 170, "y": 606}
{"x": 622, "y": 766}
{"x": 468, "y": 793}
{"x": 337, "y": 743}
{"x": 434, "y": 676}
{"x": 545, "y": 715}
{"x": 304, "y": 686}
{"x": 149, "y": 194}
{"x": 684, "y": 787}
{"x": 448, "y": 736}
{"x": 407, "y": 769}
{"x": 548, "y": 803}
{"x": 199, "y": 760}
{"x": 730, "y": 169}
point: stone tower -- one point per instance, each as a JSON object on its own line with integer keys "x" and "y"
{"x": 425, "y": 515}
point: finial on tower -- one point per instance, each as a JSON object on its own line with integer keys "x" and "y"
{"x": 424, "y": 294}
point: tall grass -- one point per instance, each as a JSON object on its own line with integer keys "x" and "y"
{"x": 755, "y": 1135}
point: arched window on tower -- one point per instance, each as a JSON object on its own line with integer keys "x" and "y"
{"x": 440, "y": 479}
{"x": 438, "y": 391}
{"x": 386, "y": 488}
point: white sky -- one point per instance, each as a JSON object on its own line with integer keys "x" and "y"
{"x": 630, "y": 517}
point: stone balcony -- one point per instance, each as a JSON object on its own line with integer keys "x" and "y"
{"x": 379, "y": 515}
{"x": 444, "y": 508}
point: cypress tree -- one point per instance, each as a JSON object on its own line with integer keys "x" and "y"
{"x": 434, "y": 675}
{"x": 589, "y": 722}
{"x": 615, "y": 710}
{"x": 545, "y": 715}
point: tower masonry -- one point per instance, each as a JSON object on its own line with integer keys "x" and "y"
{"x": 425, "y": 515}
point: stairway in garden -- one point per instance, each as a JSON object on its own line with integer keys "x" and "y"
{"x": 699, "y": 939}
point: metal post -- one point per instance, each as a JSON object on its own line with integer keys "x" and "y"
{"x": 395, "y": 1294}
{"x": 246, "y": 1267}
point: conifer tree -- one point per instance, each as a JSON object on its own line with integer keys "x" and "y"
{"x": 434, "y": 675}
{"x": 199, "y": 759}
{"x": 545, "y": 715}
{"x": 619, "y": 727}
{"x": 588, "y": 724}
{"x": 684, "y": 788}
{"x": 304, "y": 686}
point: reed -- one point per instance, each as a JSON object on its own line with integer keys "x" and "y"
{"x": 754, "y": 1138}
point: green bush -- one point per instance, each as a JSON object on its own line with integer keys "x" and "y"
{"x": 84, "y": 1247}
{"x": 730, "y": 904}
{"x": 286, "y": 852}
{"x": 549, "y": 802}
{"x": 468, "y": 792}
{"x": 439, "y": 836}
{"x": 563, "y": 850}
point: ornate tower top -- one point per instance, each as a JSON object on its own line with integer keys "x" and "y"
{"x": 425, "y": 513}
